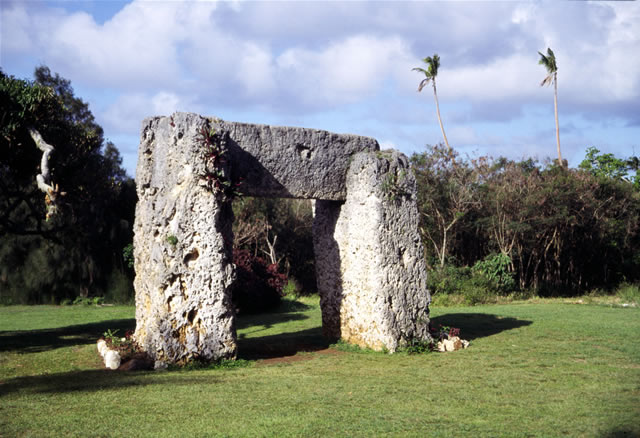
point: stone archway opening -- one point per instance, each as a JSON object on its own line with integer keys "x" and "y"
{"x": 268, "y": 232}
{"x": 371, "y": 274}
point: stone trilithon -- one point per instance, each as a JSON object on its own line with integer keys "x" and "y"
{"x": 369, "y": 258}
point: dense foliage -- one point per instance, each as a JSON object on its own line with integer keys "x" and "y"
{"x": 489, "y": 225}
{"x": 527, "y": 226}
{"x": 280, "y": 231}
{"x": 79, "y": 251}
{"x": 258, "y": 286}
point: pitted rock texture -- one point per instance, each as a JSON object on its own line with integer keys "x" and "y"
{"x": 285, "y": 162}
{"x": 328, "y": 264}
{"x": 182, "y": 248}
{"x": 369, "y": 257}
{"x": 371, "y": 271}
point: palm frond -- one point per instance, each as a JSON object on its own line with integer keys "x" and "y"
{"x": 549, "y": 61}
{"x": 547, "y": 81}
{"x": 433, "y": 64}
{"x": 550, "y": 53}
{"x": 543, "y": 60}
{"x": 436, "y": 63}
{"x": 431, "y": 72}
{"x": 423, "y": 84}
{"x": 552, "y": 59}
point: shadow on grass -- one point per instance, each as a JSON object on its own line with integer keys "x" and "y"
{"x": 621, "y": 432}
{"x": 264, "y": 321}
{"x": 285, "y": 312}
{"x": 478, "y": 325}
{"x": 283, "y": 344}
{"x": 97, "y": 380}
{"x": 33, "y": 341}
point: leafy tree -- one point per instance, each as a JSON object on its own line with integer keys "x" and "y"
{"x": 609, "y": 166}
{"x": 504, "y": 218}
{"x": 549, "y": 62}
{"x": 79, "y": 250}
{"x": 430, "y": 73}
{"x": 547, "y": 228}
{"x": 446, "y": 194}
{"x": 279, "y": 229}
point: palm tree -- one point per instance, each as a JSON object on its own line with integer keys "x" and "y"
{"x": 549, "y": 62}
{"x": 430, "y": 76}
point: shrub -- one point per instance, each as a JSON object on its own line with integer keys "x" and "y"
{"x": 629, "y": 293}
{"x": 127, "y": 255}
{"x": 292, "y": 289}
{"x": 453, "y": 285}
{"x": 448, "y": 279}
{"x": 88, "y": 301}
{"x": 258, "y": 285}
{"x": 477, "y": 293}
{"x": 495, "y": 269}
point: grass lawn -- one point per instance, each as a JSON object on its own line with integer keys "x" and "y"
{"x": 533, "y": 369}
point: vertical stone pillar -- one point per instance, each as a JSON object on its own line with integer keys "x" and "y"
{"x": 327, "y": 261}
{"x": 182, "y": 248}
{"x": 371, "y": 267}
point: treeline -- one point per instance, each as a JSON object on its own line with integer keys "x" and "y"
{"x": 76, "y": 251}
{"x": 489, "y": 226}
{"x": 496, "y": 225}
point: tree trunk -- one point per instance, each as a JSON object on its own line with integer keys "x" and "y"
{"x": 444, "y": 249}
{"x": 435, "y": 94}
{"x": 555, "y": 107}
{"x": 43, "y": 179}
{"x": 272, "y": 248}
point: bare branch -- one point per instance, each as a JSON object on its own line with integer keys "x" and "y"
{"x": 51, "y": 191}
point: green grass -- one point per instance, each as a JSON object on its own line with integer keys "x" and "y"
{"x": 533, "y": 369}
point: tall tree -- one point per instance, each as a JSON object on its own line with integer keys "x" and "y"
{"x": 49, "y": 141}
{"x": 447, "y": 192}
{"x": 610, "y": 167}
{"x": 549, "y": 62}
{"x": 430, "y": 73}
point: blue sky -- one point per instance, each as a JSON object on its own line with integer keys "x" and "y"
{"x": 345, "y": 66}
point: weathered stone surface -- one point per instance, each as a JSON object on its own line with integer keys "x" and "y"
{"x": 371, "y": 271}
{"x": 285, "y": 162}
{"x": 182, "y": 248}
{"x": 328, "y": 264}
{"x": 369, "y": 257}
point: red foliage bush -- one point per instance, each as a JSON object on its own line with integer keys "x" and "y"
{"x": 258, "y": 284}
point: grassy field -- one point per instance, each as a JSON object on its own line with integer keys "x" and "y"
{"x": 533, "y": 369}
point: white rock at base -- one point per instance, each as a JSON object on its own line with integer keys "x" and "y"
{"x": 102, "y": 347}
{"x": 453, "y": 344}
{"x": 112, "y": 360}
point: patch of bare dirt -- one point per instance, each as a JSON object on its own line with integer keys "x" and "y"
{"x": 299, "y": 357}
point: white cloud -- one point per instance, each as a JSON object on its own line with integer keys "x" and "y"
{"x": 343, "y": 72}
{"x": 125, "y": 115}
{"x": 256, "y": 71}
{"x": 319, "y": 61}
{"x": 463, "y": 135}
{"x": 387, "y": 144}
{"x": 503, "y": 78}
{"x": 15, "y": 25}
{"x": 137, "y": 48}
